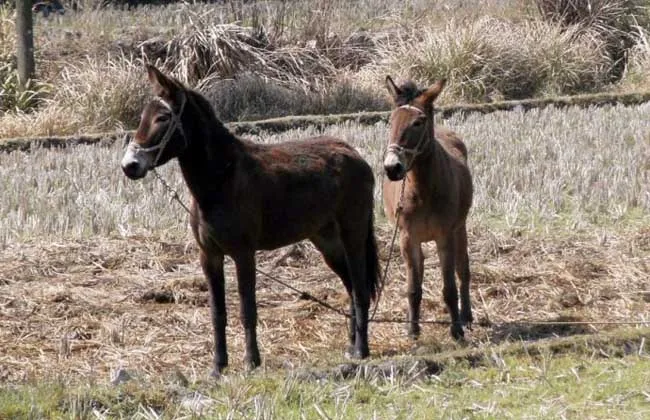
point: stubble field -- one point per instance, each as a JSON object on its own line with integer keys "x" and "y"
{"x": 99, "y": 274}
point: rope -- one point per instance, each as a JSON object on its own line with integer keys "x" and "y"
{"x": 304, "y": 295}
{"x": 309, "y": 296}
{"x": 390, "y": 252}
{"x": 173, "y": 192}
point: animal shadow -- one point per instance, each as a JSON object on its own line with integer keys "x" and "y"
{"x": 509, "y": 331}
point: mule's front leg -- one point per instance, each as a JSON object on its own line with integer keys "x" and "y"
{"x": 213, "y": 269}
{"x": 414, "y": 261}
{"x": 446, "y": 253}
{"x": 462, "y": 270}
{"x": 245, "y": 265}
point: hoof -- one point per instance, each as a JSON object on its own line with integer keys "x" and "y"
{"x": 252, "y": 362}
{"x": 218, "y": 372}
{"x": 457, "y": 332}
{"x": 414, "y": 331}
{"x": 356, "y": 354}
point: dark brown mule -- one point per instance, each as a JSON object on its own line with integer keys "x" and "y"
{"x": 249, "y": 197}
{"x": 437, "y": 197}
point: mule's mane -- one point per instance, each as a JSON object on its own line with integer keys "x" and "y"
{"x": 408, "y": 91}
{"x": 203, "y": 105}
{"x": 208, "y": 118}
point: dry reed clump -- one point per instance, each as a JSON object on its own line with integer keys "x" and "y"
{"x": 616, "y": 22}
{"x": 494, "y": 59}
{"x": 90, "y": 96}
{"x": 104, "y": 102}
{"x": 246, "y": 76}
{"x": 204, "y": 49}
{"x": 638, "y": 65}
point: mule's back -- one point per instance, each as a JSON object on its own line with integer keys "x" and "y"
{"x": 452, "y": 143}
{"x": 301, "y": 186}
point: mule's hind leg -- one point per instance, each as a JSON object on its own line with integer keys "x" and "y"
{"x": 462, "y": 269}
{"x": 213, "y": 269}
{"x": 355, "y": 250}
{"x": 447, "y": 254}
{"x": 245, "y": 265}
{"x": 328, "y": 242}
{"x": 414, "y": 261}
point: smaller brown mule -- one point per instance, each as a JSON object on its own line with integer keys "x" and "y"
{"x": 249, "y": 196}
{"x": 437, "y": 198}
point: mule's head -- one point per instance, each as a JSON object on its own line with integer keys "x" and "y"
{"x": 160, "y": 135}
{"x": 411, "y": 125}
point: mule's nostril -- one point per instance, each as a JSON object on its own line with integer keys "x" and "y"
{"x": 132, "y": 170}
{"x": 394, "y": 172}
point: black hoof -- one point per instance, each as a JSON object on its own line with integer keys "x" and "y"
{"x": 353, "y": 353}
{"x": 457, "y": 332}
{"x": 252, "y": 362}
{"x": 414, "y": 331}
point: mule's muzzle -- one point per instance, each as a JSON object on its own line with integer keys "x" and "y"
{"x": 135, "y": 163}
{"x": 394, "y": 168}
{"x": 133, "y": 170}
{"x": 395, "y": 172}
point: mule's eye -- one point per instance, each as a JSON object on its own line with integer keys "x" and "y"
{"x": 162, "y": 118}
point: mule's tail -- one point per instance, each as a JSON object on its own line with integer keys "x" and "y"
{"x": 372, "y": 261}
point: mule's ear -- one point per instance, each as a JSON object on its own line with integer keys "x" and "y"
{"x": 394, "y": 91}
{"x": 162, "y": 85}
{"x": 430, "y": 95}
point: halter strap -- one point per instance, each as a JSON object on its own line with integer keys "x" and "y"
{"x": 174, "y": 124}
{"x": 419, "y": 147}
{"x": 412, "y": 108}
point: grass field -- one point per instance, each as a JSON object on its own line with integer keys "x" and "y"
{"x": 99, "y": 274}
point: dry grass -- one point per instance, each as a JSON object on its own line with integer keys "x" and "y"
{"x": 638, "y": 70}
{"x": 82, "y": 309}
{"x": 491, "y": 59}
{"x": 266, "y": 59}
{"x": 100, "y": 273}
{"x": 576, "y": 169}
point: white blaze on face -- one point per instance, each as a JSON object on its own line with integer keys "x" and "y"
{"x": 135, "y": 156}
{"x": 392, "y": 159}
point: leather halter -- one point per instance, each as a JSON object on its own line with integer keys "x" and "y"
{"x": 174, "y": 124}
{"x": 410, "y": 153}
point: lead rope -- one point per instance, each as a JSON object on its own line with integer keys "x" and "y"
{"x": 382, "y": 283}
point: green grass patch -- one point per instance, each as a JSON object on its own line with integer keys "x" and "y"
{"x": 590, "y": 377}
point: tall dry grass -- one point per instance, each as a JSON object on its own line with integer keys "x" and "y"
{"x": 492, "y": 57}
{"x": 263, "y": 59}
{"x": 637, "y": 76}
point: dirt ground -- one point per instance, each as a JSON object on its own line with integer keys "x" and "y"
{"x": 84, "y": 309}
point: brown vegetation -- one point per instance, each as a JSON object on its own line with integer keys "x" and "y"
{"x": 261, "y": 60}
{"x": 84, "y": 308}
